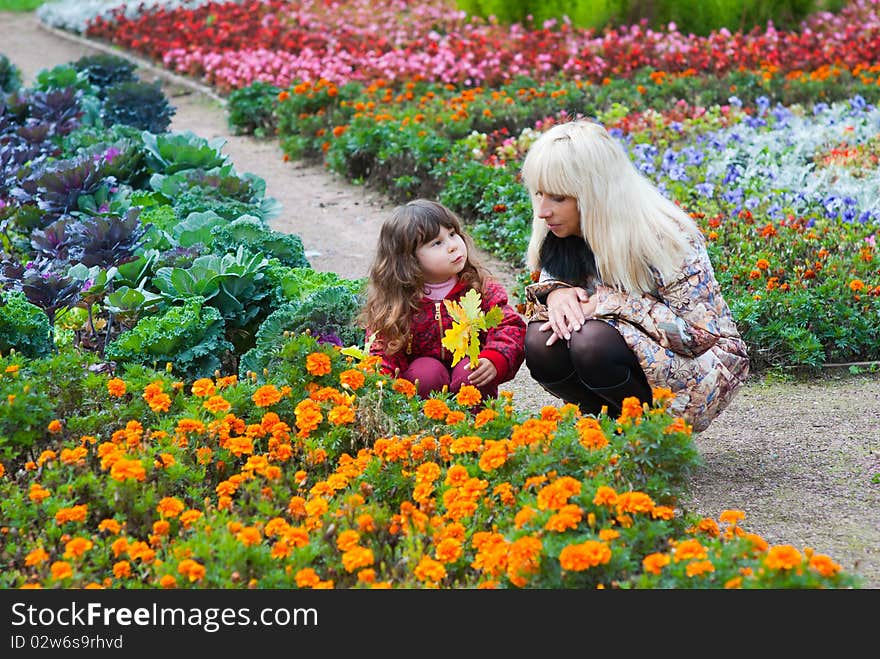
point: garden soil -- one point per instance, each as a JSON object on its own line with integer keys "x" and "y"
{"x": 801, "y": 457}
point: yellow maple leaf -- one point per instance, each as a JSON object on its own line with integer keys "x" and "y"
{"x": 468, "y": 320}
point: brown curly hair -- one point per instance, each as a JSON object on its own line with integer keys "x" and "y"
{"x": 396, "y": 283}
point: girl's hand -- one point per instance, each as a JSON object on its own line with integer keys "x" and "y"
{"x": 568, "y": 309}
{"x": 483, "y": 373}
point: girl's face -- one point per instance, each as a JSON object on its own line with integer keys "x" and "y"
{"x": 442, "y": 257}
{"x": 560, "y": 213}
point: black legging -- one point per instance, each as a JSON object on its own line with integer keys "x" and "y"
{"x": 594, "y": 368}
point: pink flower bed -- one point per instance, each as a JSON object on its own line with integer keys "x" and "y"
{"x": 233, "y": 45}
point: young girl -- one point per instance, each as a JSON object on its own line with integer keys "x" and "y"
{"x": 424, "y": 258}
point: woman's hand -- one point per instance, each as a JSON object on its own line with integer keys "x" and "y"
{"x": 567, "y": 309}
{"x": 483, "y": 373}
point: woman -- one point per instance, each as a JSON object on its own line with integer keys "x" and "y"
{"x": 627, "y": 299}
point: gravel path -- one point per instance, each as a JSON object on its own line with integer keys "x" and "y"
{"x": 800, "y": 457}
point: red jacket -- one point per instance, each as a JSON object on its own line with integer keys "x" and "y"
{"x": 503, "y": 345}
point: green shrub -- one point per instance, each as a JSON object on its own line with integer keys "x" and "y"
{"x": 257, "y": 237}
{"x": 23, "y": 326}
{"x": 251, "y": 109}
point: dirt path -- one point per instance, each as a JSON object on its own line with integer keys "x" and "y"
{"x": 798, "y": 458}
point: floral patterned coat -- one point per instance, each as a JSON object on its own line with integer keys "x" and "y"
{"x": 503, "y": 345}
{"x": 683, "y": 335}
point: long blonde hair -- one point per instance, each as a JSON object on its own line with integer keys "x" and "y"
{"x": 627, "y": 222}
{"x": 396, "y": 282}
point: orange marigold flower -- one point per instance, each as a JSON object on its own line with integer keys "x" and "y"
{"x": 54, "y": 426}
{"x": 76, "y": 547}
{"x": 356, "y": 558}
{"x": 72, "y": 514}
{"x": 191, "y": 569}
{"x": 203, "y": 387}
{"x": 709, "y": 526}
{"x": 568, "y": 517}
{"x": 124, "y": 469}
{"x": 429, "y": 570}
{"x": 631, "y": 408}
{"x": 448, "y": 550}
{"x": 266, "y": 395}
{"x": 318, "y": 364}
{"x": 61, "y": 570}
{"x": 783, "y": 557}
{"x": 455, "y": 416}
{"x": 824, "y": 565}
{"x": 663, "y": 512}
{"x": 217, "y": 404}
{"x": 456, "y": 475}
{"x": 731, "y": 516}
{"x": 249, "y": 536}
{"x": 468, "y": 396}
{"x": 352, "y": 379}
{"x": 634, "y": 502}
{"x": 689, "y": 549}
{"x": 341, "y": 414}
{"x": 762, "y": 264}
{"x": 483, "y": 417}
{"x": 170, "y": 507}
{"x": 697, "y": 568}
{"x": 523, "y": 560}
{"x": 678, "y": 425}
{"x": 524, "y": 516}
{"x": 577, "y": 558}
{"x": 348, "y": 539}
{"x": 36, "y": 557}
{"x": 654, "y": 563}
{"x": 116, "y": 387}
{"x": 555, "y": 495}
{"x": 306, "y": 578}
{"x": 856, "y": 285}
{"x": 168, "y": 581}
{"x": 405, "y": 387}
{"x": 122, "y": 569}
{"x": 435, "y": 409}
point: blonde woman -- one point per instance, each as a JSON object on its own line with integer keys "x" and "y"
{"x": 626, "y": 300}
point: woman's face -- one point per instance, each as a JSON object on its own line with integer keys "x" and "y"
{"x": 559, "y": 213}
{"x": 442, "y": 257}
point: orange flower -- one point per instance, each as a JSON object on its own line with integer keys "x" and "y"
{"x": 217, "y": 404}
{"x": 61, "y": 570}
{"x": 124, "y": 468}
{"x": 783, "y": 557}
{"x": 356, "y": 558}
{"x": 36, "y": 557}
{"x": 484, "y": 417}
{"x": 352, "y": 379}
{"x": 448, "y": 550}
{"x": 191, "y": 569}
{"x": 76, "y": 547}
{"x": 54, "y": 426}
{"x": 318, "y": 363}
{"x": 435, "y": 409}
{"x": 856, "y": 285}
{"x": 203, "y": 387}
{"x": 455, "y": 416}
{"x": 266, "y": 395}
{"x": 824, "y": 565}
{"x": 122, "y": 569}
{"x": 340, "y": 415}
{"x": 170, "y": 507}
{"x": 429, "y": 570}
{"x": 404, "y": 387}
{"x": 116, "y": 387}
{"x": 577, "y": 558}
{"x": 307, "y": 578}
{"x": 468, "y": 396}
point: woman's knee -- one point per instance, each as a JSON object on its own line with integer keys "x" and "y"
{"x": 545, "y": 363}
{"x": 599, "y": 353}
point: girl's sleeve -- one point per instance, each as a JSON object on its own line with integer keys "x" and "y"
{"x": 505, "y": 343}
{"x": 684, "y": 315}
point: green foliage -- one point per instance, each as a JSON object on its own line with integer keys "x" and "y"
{"x": 251, "y": 109}
{"x": 10, "y": 75}
{"x": 61, "y": 77}
{"x": 138, "y": 104}
{"x": 257, "y": 237}
{"x": 690, "y": 17}
{"x": 328, "y": 314}
{"x": 190, "y": 337}
{"x": 23, "y": 326}
{"x": 174, "y": 152}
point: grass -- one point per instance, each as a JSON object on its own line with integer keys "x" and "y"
{"x": 19, "y": 5}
